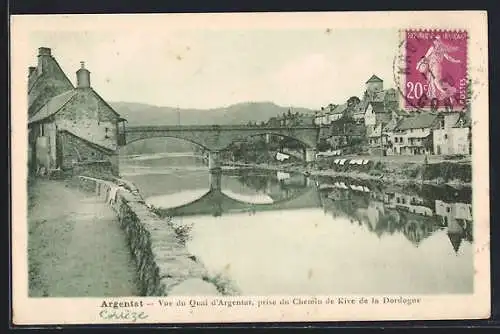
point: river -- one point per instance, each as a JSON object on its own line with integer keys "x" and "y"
{"x": 275, "y": 233}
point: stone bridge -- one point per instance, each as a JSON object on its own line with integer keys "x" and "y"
{"x": 216, "y": 138}
{"x": 215, "y": 202}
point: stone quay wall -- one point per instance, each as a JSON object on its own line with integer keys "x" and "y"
{"x": 164, "y": 266}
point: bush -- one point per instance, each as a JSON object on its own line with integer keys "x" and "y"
{"x": 183, "y": 233}
{"x": 448, "y": 171}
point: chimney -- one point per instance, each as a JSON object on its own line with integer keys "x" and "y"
{"x": 44, "y": 51}
{"x": 31, "y": 70}
{"x": 43, "y": 54}
{"x": 82, "y": 77}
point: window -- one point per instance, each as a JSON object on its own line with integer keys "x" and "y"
{"x": 41, "y": 130}
{"x": 448, "y": 209}
{"x": 445, "y": 136}
{"x": 106, "y": 135}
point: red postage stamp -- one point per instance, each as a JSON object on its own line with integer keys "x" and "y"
{"x": 436, "y": 69}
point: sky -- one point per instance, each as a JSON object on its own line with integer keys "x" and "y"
{"x": 195, "y": 68}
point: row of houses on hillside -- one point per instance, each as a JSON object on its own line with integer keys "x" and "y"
{"x": 69, "y": 126}
{"x": 389, "y": 130}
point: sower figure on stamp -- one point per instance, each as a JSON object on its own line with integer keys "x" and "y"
{"x": 430, "y": 66}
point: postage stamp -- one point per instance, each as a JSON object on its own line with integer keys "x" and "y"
{"x": 436, "y": 69}
{"x": 250, "y": 167}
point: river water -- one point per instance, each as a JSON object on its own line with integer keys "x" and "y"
{"x": 275, "y": 233}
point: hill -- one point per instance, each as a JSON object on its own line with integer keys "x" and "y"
{"x": 241, "y": 113}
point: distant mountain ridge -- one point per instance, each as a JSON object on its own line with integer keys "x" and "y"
{"x": 240, "y": 113}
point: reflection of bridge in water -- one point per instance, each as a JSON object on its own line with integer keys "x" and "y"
{"x": 215, "y": 202}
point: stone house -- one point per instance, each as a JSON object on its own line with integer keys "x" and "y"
{"x": 380, "y": 120}
{"x": 412, "y": 135}
{"x": 330, "y": 114}
{"x": 377, "y": 140}
{"x": 374, "y": 84}
{"x": 73, "y": 129}
{"x": 376, "y": 113}
{"x": 453, "y": 134}
{"x": 376, "y": 100}
{"x": 358, "y": 113}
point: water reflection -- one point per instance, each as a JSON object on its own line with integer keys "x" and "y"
{"x": 284, "y": 233}
{"x": 272, "y": 191}
{"x": 416, "y": 212}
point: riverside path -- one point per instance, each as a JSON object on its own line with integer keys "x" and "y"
{"x": 75, "y": 245}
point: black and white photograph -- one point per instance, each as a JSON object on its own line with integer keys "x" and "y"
{"x": 215, "y": 159}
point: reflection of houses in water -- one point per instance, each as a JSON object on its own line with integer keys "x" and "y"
{"x": 381, "y": 212}
{"x": 417, "y": 227}
{"x": 411, "y": 203}
{"x": 373, "y": 217}
{"x": 457, "y": 217}
{"x": 390, "y": 211}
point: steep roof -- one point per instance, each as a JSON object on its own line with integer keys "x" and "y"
{"x": 374, "y": 78}
{"x": 391, "y": 125}
{"x": 52, "y": 106}
{"x": 100, "y": 145}
{"x": 56, "y": 103}
{"x": 360, "y": 108}
{"x": 45, "y": 81}
{"x": 340, "y": 109}
{"x": 420, "y": 121}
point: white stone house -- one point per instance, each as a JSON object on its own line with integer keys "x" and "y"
{"x": 411, "y": 134}
{"x": 73, "y": 127}
{"x": 453, "y": 135}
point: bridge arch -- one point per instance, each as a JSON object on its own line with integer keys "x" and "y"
{"x": 218, "y": 138}
{"x": 135, "y": 139}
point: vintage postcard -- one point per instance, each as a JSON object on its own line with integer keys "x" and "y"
{"x": 257, "y": 167}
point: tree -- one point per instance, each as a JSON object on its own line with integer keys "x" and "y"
{"x": 323, "y": 145}
{"x": 353, "y": 101}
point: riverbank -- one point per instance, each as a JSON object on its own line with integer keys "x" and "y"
{"x": 164, "y": 265}
{"x": 451, "y": 173}
{"x": 75, "y": 245}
